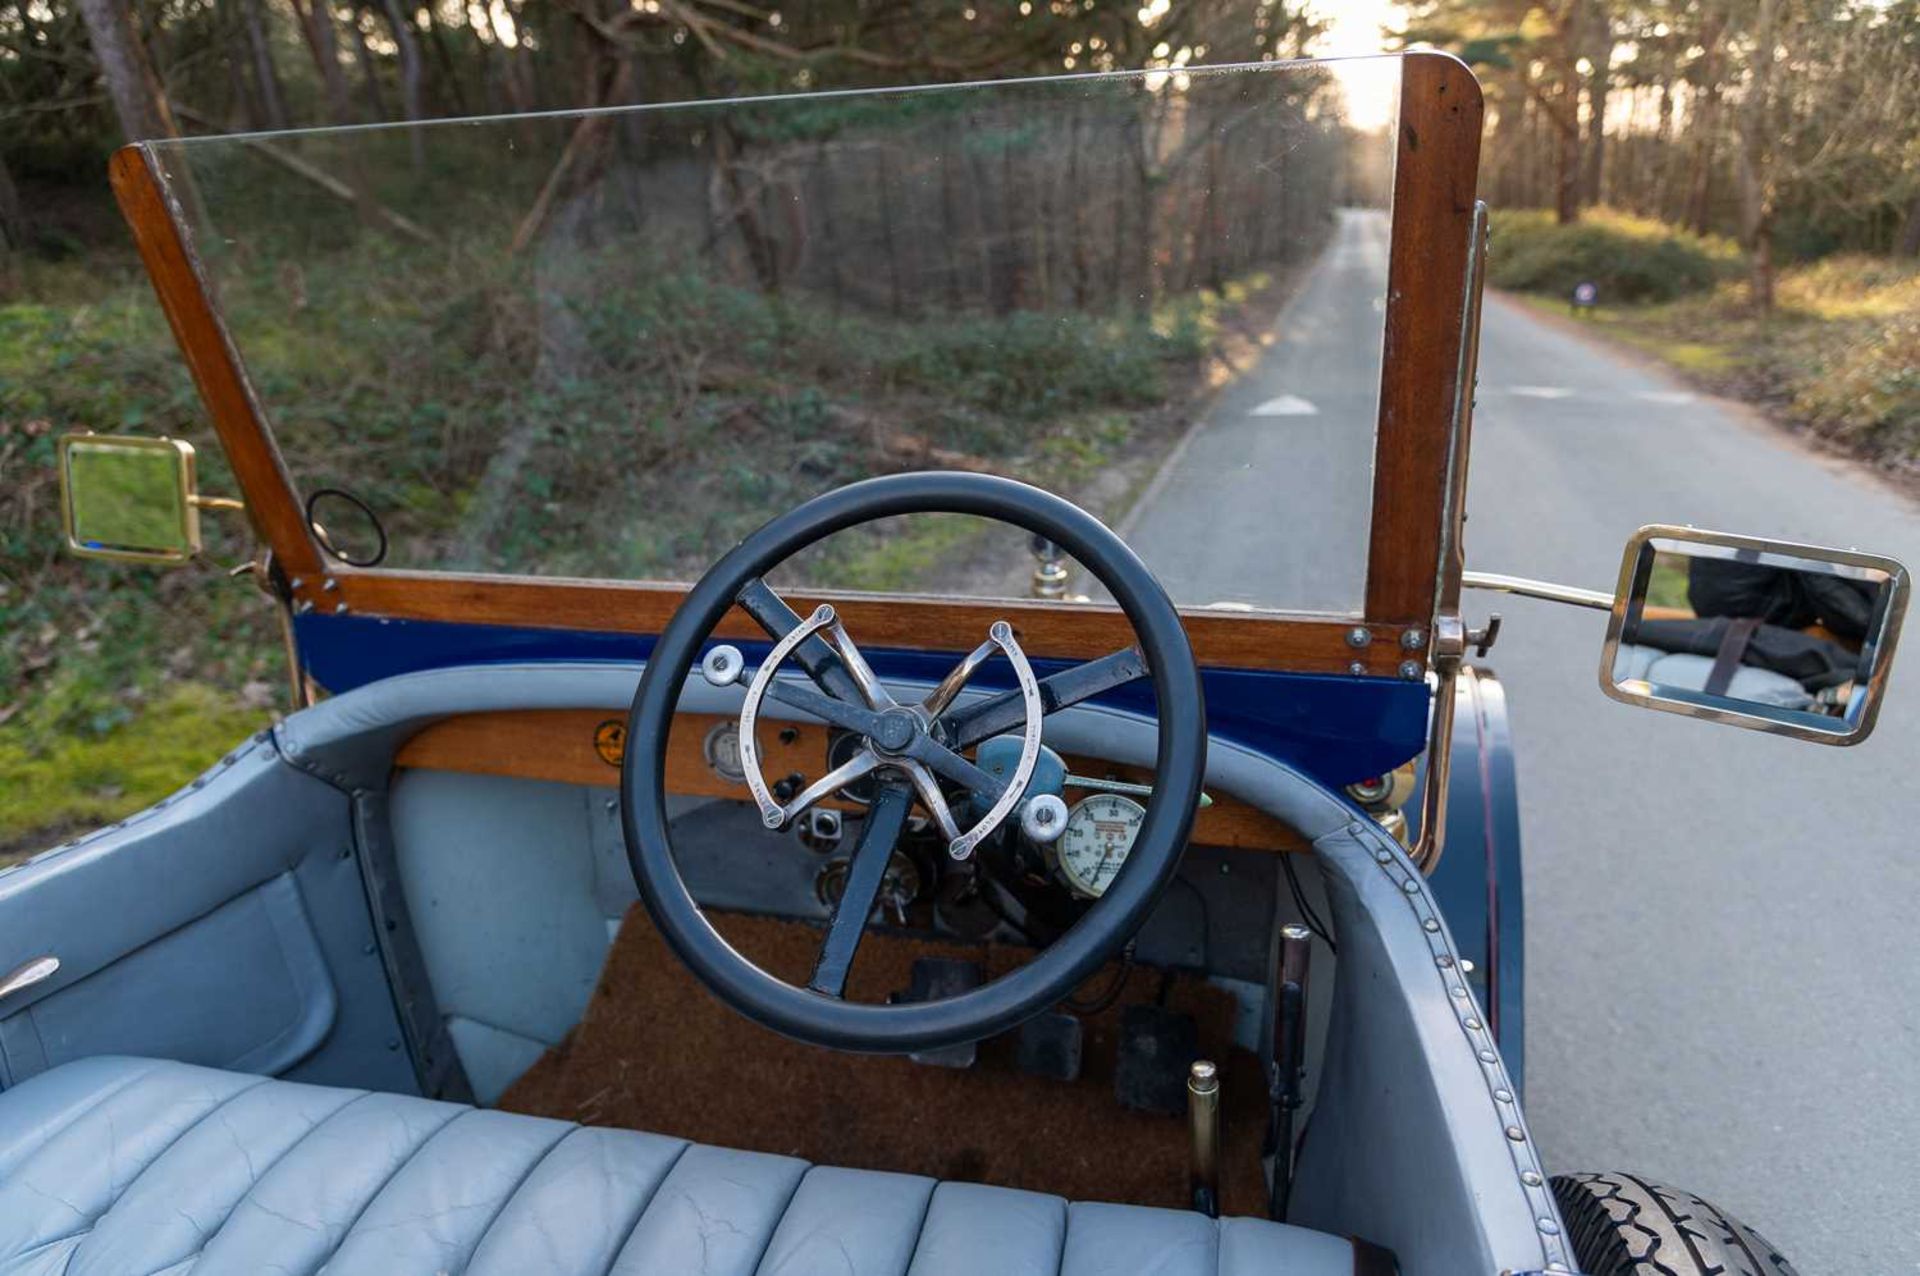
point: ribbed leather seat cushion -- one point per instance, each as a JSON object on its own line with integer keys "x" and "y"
{"x": 135, "y": 1167}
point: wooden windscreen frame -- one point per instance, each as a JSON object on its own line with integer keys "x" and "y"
{"x": 1437, "y": 149}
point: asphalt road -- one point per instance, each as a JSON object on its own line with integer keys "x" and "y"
{"x": 1292, "y": 436}
{"x": 1723, "y": 928}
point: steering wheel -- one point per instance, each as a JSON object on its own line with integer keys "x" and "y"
{"x": 904, "y": 748}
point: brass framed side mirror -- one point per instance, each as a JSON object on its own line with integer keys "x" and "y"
{"x": 1792, "y": 639}
{"x": 131, "y": 499}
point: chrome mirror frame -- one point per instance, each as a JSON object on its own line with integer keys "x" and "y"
{"x": 181, "y": 456}
{"x": 1883, "y": 642}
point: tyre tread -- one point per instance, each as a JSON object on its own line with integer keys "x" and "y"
{"x": 1625, "y": 1225}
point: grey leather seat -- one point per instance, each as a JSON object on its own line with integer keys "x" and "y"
{"x": 134, "y": 1167}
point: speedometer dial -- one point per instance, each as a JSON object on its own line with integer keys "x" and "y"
{"x": 1100, "y": 832}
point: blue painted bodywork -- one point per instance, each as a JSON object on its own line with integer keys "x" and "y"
{"x": 1336, "y": 729}
{"x": 1479, "y": 877}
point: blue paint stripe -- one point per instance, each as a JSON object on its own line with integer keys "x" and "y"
{"x": 1336, "y": 729}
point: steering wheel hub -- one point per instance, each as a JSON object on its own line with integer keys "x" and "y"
{"x": 894, "y": 731}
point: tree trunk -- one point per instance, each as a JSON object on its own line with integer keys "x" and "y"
{"x": 410, "y": 74}
{"x": 13, "y": 224}
{"x": 445, "y": 85}
{"x": 1566, "y": 114}
{"x": 1756, "y": 158}
{"x": 369, "y": 70}
{"x": 266, "y": 76}
{"x": 1908, "y": 244}
{"x": 316, "y": 24}
{"x": 138, "y": 99}
{"x": 1599, "y": 82}
{"x": 1664, "y": 150}
{"x": 1706, "y": 130}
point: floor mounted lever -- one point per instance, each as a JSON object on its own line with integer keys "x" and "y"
{"x": 1203, "y": 1117}
{"x": 1289, "y": 1064}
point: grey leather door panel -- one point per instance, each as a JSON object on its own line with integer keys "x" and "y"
{"x": 244, "y": 987}
{"x": 226, "y": 925}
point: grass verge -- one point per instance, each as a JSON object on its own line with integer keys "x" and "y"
{"x": 1838, "y": 358}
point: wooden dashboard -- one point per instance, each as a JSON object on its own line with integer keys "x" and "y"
{"x": 585, "y": 746}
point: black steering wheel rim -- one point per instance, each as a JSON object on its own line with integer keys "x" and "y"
{"x": 1058, "y": 969}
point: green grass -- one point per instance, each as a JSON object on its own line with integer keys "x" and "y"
{"x": 1668, "y": 586}
{"x": 61, "y": 777}
{"x": 1839, "y": 355}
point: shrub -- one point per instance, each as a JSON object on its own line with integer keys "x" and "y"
{"x": 1628, "y": 258}
{"x": 1868, "y": 394}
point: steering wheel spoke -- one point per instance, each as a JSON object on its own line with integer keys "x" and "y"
{"x": 856, "y": 665}
{"x": 934, "y": 800}
{"x": 941, "y": 760}
{"x": 771, "y": 613}
{"x": 955, "y": 682}
{"x": 854, "y": 769}
{"x": 997, "y": 715}
{"x": 866, "y": 870}
{"x": 837, "y": 713}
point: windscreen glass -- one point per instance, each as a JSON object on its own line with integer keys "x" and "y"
{"x": 608, "y": 344}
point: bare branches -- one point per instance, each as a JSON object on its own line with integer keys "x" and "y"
{"x": 378, "y": 212}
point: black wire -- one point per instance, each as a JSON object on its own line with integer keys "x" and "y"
{"x": 1112, "y": 991}
{"x": 1311, "y": 918}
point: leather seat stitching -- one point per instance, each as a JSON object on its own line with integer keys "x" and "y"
{"x": 387, "y": 1182}
{"x": 781, "y": 1217}
{"x": 91, "y": 1104}
{"x": 121, "y": 1194}
{"x": 640, "y": 1215}
{"x": 43, "y": 1246}
{"x": 258, "y": 1179}
{"x": 1066, "y": 1225}
{"x": 507, "y": 1198}
{"x": 920, "y": 1229}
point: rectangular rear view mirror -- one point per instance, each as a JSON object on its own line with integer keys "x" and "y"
{"x": 130, "y": 499}
{"x": 1792, "y": 639}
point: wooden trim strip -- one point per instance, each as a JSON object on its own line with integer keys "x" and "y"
{"x": 568, "y": 746}
{"x": 157, "y": 223}
{"x": 1069, "y": 631}
{"x": 1436, "y": 170}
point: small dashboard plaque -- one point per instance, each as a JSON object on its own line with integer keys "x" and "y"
{"x": 610, "y": 741}
{"x": 723, "y": 753}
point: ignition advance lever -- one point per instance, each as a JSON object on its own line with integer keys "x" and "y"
{"x": 1289, "y": 1064}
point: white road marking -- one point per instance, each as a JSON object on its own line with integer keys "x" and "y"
{"x": 1664, "y": 396}
{"x": 1541, "y": 391}
{"x": 1286, "y": 405}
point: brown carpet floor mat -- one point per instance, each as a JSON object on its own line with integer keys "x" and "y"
{"x": 655, "y": 1051}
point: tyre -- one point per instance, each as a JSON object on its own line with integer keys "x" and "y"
{"x": 1622, "y": 1225}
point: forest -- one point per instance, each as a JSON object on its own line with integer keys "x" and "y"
{"x": 513, "y": 336}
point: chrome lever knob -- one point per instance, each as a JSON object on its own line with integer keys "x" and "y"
{"x": 723, "y": 666}
{"x": 39, "y": 970}
{"x": 1043, "y": 819}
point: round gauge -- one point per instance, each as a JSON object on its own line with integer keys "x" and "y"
{"x": 1100, "y": 832}
{"x": 723, "y": 753}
